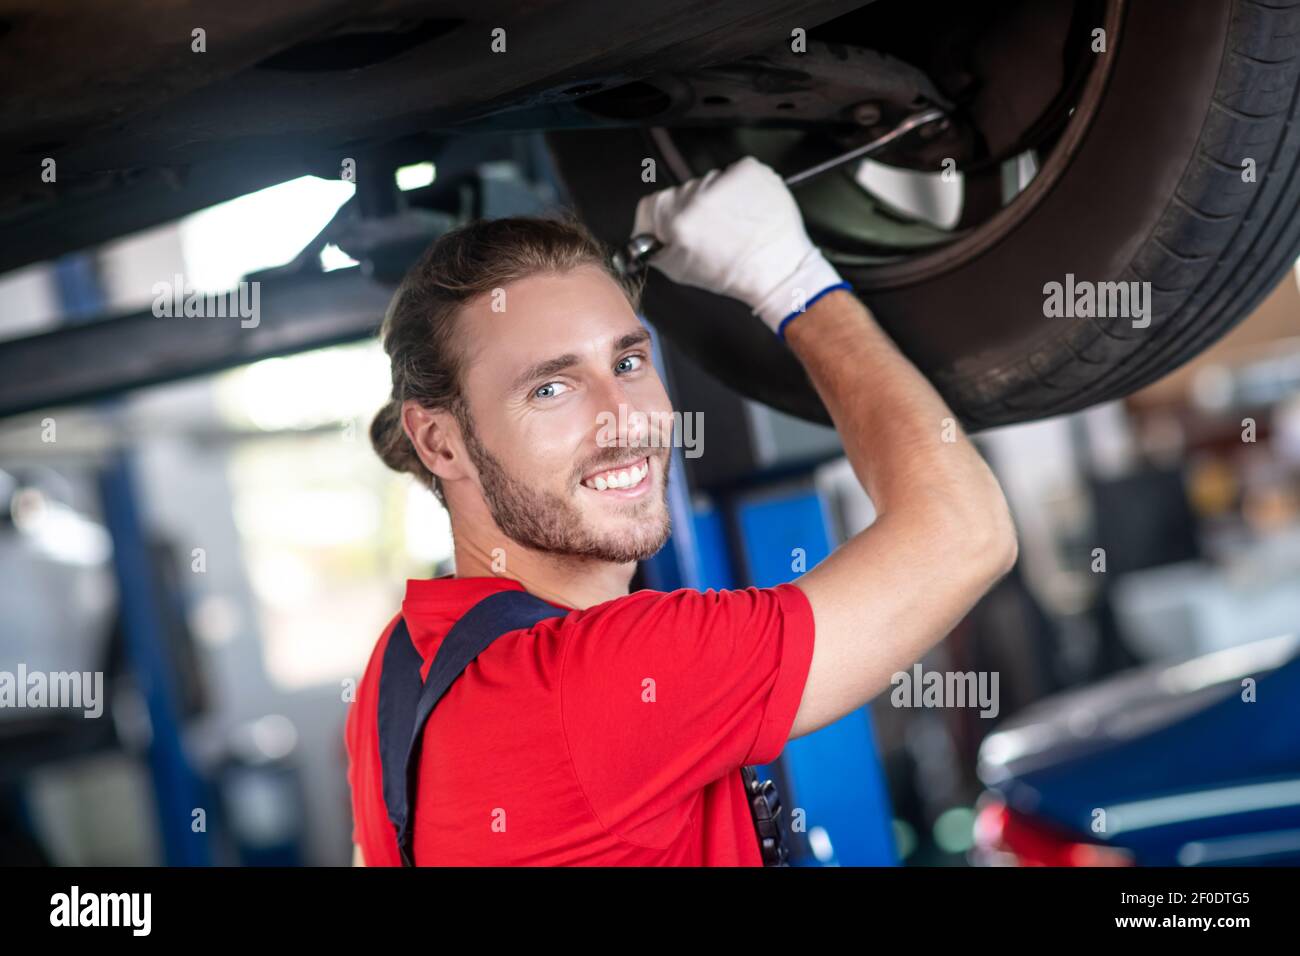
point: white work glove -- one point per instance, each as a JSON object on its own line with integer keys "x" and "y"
{"x": 738, "y": 232}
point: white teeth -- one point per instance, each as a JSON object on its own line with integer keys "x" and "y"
{"x": 620, "y": 479}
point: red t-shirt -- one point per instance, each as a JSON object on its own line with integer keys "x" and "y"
{"x": 612, "y": 736}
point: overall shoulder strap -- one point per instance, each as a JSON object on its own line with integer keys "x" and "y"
{"x": 405, "y": 704}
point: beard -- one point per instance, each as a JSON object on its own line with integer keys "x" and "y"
{"x": 553, "y": 523}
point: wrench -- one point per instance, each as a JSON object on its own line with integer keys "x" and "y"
{"x": 632, "y": 259}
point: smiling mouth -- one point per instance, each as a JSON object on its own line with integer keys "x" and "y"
{"x": 629, "y": 479}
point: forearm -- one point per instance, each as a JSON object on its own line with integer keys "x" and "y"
{"x": 893, "y": 423}
{"x": 942, "y": 536}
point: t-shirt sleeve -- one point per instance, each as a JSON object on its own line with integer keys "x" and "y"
{"x": 360, "y": 721}
{"x": 664, "y": 693}
{"x": 353, "y": 750}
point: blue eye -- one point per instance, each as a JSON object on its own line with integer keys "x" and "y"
{"x": 629, "y": 359}
{"x": 540, "y": 391}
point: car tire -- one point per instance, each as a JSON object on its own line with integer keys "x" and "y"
{"x": 1186, "y": 176}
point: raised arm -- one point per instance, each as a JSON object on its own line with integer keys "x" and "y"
{"x": 942, "y": 536}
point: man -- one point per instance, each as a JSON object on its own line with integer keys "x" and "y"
{"x": 613, "y": 732}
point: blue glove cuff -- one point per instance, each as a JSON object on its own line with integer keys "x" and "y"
{"x": 780, "y": 329}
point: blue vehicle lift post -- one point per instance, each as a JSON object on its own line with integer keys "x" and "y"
{"x": 178, "y": 789}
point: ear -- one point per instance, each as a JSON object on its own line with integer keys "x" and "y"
{"x": 435, "y": 433}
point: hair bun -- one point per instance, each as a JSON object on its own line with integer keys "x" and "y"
{"x": 390, "y": 441}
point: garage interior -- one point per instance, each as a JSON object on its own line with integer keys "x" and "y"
{"x": 211, "y": 531}
{"x": 190, "y": 508}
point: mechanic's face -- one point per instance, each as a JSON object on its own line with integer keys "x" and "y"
{"x": 537, "y": 378}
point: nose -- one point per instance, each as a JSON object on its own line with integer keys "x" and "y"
{"x": 622, "y": 420}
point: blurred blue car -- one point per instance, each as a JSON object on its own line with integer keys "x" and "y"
{"x": 1188, "y": 764}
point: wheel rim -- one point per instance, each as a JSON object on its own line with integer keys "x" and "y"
{"x": 849, "y": 221}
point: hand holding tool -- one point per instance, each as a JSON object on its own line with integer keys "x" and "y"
{"x": 632, "y": 259}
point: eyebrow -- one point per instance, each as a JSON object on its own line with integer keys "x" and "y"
{"x": 558, "y": 364}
